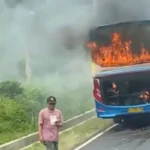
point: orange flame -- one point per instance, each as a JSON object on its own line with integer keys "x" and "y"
{"x": 117, "y": 54}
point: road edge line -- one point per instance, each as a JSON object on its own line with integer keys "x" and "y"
{"x": 95, "y": 137}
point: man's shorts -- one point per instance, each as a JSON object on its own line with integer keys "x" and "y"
{"x": 51, "y": 145}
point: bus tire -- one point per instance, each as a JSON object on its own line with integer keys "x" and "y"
{"x": 127, "y": 121}
{"x": 117, "y": 120}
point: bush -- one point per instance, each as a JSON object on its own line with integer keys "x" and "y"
{"x": 34, "y": 100}
{"x": 12, "y": 116}
{"x": 15, "y": 120}
{"x": 19, "y": 109}
{"x": 11, "y": 89}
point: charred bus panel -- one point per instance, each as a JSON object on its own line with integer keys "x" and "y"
{"x": 125, "y": 87}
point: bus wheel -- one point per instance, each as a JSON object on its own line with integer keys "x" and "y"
{"x": 127, "y": 121}
{"x": 117, "y": 120}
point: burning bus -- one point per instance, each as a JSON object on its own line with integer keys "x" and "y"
{"x": 121, "y": 70}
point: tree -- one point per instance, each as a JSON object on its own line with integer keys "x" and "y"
{"x": 11, "y": 89}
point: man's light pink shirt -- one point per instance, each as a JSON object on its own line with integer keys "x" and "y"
{"x": 49, "y": 132}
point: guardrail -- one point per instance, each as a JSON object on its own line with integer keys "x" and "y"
{"x": 33, "y": 138}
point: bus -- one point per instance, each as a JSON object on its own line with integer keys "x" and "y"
{"x": 121, "y": 70}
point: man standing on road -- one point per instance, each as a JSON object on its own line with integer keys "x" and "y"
{"x": 50, "y": 121}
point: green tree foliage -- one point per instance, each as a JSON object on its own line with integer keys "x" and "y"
{"x": 19, "y": 107}
{"x": 11, "y": 89}
{"x": 13, "y": 116}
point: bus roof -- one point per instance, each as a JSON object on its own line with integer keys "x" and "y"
{"x": 123, "y": 70}
{"x": 146, "y": 22}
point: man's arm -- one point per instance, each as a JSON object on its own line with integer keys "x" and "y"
{"x": 40, "y": 126}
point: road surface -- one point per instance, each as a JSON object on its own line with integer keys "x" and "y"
{"x": 122, "y": 138}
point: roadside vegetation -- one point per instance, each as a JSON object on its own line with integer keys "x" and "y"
{"x": 20, "y": 105}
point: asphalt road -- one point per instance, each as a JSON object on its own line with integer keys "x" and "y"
{"x": 122, "y": 138}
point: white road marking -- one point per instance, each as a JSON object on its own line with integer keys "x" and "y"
{"x": 95, "y": 137}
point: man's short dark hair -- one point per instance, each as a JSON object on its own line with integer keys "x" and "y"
{"x": 51, "y": 99}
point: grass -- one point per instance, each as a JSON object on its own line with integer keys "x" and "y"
{"x": 78, "y": 134}
{"x": 9, "y": 136}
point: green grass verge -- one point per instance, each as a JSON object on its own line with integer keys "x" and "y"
{"x": 78, "y": 134}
